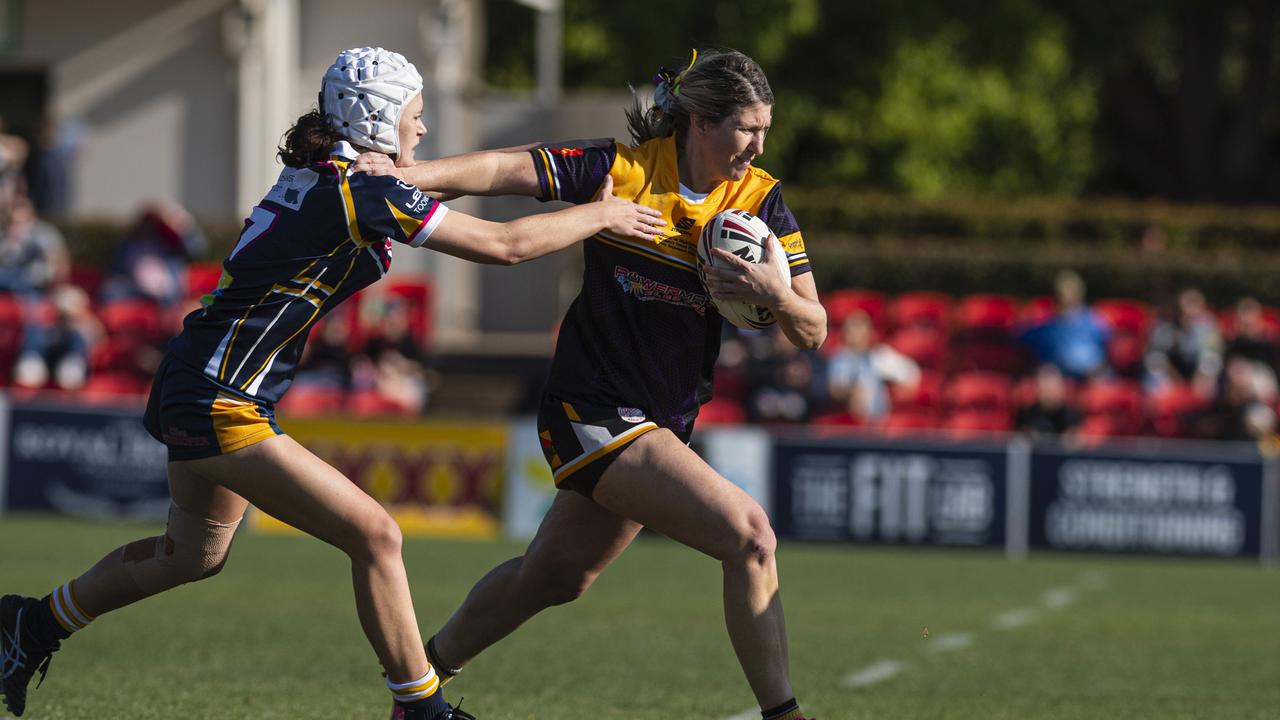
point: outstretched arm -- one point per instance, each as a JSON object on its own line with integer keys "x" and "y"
{"x": 802, "y": 318}
{"x": 509, "y": 243}
{"x": 508, "y": 171}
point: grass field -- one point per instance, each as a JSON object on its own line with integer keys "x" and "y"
{"x": 1055, "y": 636}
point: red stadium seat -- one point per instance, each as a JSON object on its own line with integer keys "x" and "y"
{"x": 982, "y": 311}
{"x": 111, "y": 384}
{"x": 88, "y": 278}
{"x": 1125, "y": 315}
{"x": 371, "y": 404}
{"x": 973, "y": 423}
{"x": 1120, "y": 401}
{"x": 1037, "y": 311}
{"x": 202, "y": 278}
{"x": 923, "y": 309}
{"x": 924, "y": 395}
{"x": 979, "y": 391}
{"x": 135, "y": 319}
{"x": 722, "y": 411}
{"x": 1270, "y": 320}
{"x": 909, "y": 421}
{"x": 418, "y": 294}
{"x": 1170, "y": 408}
{"x": 839, "y": 303}
{"x": 832, "y": 419}
{"x": 928, "y": 347}
{"x": 312, "y": 401}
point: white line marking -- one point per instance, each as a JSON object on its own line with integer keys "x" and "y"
{"x": 874, "y": 673}
{"x": 1060, "y": 597}
{"x": 1014, "y": 619}
{"x": 950, "y": 641}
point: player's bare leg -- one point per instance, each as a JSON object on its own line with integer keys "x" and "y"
{"x": 659, "y": 482}
{"x": 575, "y": 543}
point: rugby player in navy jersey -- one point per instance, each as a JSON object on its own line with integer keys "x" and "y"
{"x": 634, "y": 359}
{"x": 321, "y": 233}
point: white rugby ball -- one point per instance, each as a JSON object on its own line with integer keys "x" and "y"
{"x": 742, "y": 234}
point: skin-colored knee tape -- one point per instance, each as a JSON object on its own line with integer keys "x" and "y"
{"x": 192, "y": 548}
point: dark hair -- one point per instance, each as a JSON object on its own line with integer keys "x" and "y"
{"x": 715, "y": 85}
{"x": 309, "y": 140}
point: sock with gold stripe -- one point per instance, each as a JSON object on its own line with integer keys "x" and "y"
{"x": 789, "y": 710}
{"x": 59, "y": 614}
{"x": 420, "y": 695}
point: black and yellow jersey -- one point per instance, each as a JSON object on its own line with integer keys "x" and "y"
{"x": 643, "y": 333}
{"x": 317, "y": 237}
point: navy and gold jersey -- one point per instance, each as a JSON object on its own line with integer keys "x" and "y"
{"x": 643, "y": 333}
{"x": 317, "y": 237}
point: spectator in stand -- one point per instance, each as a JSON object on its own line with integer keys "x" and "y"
{"x": 1186, "y": 347}
{"x": 783, "y": 387}
{"x": 1244, "y": 408}
{"x": 1252, "y": 341}
{"x": 151, "y": 262}
{"x": 1050, "y": 414}
{"x": 326, "y": 360}
{"x": 33, "y": 255}
{"x": 49, "y": 166}
{"x": 394, "y": 362}
{"x": 860, "y": 372}
{"x": 1075, "y": 338}
{"x": 60, "y": 349}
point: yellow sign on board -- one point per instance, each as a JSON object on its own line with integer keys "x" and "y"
{"x": 436, "y": 478}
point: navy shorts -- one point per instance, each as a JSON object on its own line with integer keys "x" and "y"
{"x": 197, "y": 418}
{"x": 580, "y": 441}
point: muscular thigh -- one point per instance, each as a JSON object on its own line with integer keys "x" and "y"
{"x": 662, "y": 484}
{"x": 578, "y": 538}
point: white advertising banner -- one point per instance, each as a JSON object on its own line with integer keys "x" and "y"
{"x": 744, "y": 455}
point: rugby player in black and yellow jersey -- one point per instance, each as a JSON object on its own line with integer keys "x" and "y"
{"x": 634, "y": 359}
{"x": 321, "y": 233}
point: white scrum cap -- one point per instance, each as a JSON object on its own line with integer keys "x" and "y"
{"x": 365, "y": 92}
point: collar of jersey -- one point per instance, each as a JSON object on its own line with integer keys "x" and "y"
{"x": 344, "y": 150}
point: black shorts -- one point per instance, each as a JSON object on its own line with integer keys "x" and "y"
{"x": 197, "y": 418}
{"x": 581, "y": 441}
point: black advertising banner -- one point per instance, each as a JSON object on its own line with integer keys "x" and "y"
{"x": 891, "y": 492}
{"x": 91, "y": 462}
{"x": 1176, "y": 499}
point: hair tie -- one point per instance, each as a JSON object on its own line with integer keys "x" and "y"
{"x": 668, "y": 86}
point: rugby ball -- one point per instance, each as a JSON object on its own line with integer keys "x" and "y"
{"x": 742, "y": 234}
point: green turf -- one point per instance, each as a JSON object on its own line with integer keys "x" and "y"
{"x": 275, "y": 635}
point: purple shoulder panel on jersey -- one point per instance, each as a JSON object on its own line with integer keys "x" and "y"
{"x": 573, "y": 171}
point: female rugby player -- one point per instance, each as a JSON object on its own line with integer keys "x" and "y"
{"x": 634, "y": 358}
{"x": 320, "y": 234}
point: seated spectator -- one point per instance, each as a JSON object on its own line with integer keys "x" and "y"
{"x": 1075, "y": 338}
{"x": 1252, "y": 340}
{"x": 33, "y": 255}
{"x": 782, "y": 383}
{"x": 1185, "y": 347}
{"x": 62, "y": 348}
{"x": 393, "y": 361}
{"x": 151, "y": 262}
{"x": 860, "y": 372}
{"x": 1244, "y": 408}
{"x": 326, "y": 361}
{"x": 1050, "y": 413}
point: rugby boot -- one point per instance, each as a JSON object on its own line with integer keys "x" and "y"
{"x": 20, "y": 655}
{"x": 455, "y": 712}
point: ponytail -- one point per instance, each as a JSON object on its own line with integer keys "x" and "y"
{"x": 309, "y": 140}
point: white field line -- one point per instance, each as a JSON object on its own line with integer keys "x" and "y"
{"x": 876, "y": 672}
{"x": 950, "y": 642}
{"x": 752, "y": 714}
{"x": 1059, "y": 597}
{"x": 1015, "y": 618}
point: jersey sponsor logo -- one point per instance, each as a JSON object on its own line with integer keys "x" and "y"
{"x": 631, "y": 415}
{"x": 685, "y": 224}
{"x": 568, "y": 152}
{"x": 292, "y": 186}
{"x": 646, "y": 289}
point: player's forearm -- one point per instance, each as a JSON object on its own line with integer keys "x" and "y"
{"x": 803, "y": 321}
{"x": 537, "y": 235}
{"x": 489, "y": 172}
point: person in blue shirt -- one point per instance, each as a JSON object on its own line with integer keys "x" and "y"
{"x": 319, "y": 235}
{"x": 1075, "y": 338}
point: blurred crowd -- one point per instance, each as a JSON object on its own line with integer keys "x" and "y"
{"x": 1054, "y": 365}
{"x": 100, "y": 332}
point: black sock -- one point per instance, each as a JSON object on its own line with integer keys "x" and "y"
{"x": 782, "y": 711}
{"x": 443, "y": 669}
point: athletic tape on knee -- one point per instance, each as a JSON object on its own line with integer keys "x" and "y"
{"x": 192, "y": 548}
